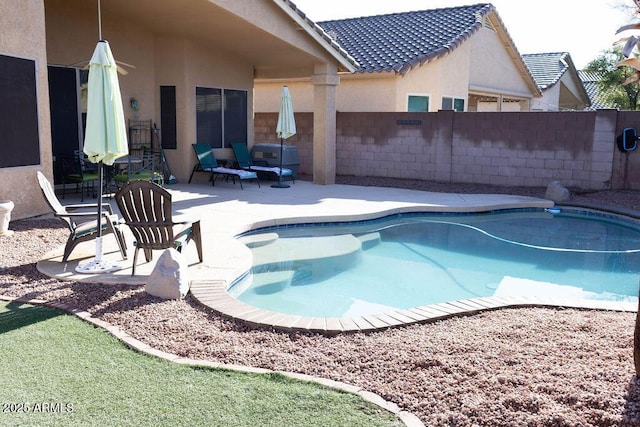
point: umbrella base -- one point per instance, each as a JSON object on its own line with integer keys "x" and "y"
{"x": 96, "y": 266}
{"x": 280, "y": 185}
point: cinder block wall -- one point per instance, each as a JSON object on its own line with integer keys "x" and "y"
{"x": 529, "y": 149}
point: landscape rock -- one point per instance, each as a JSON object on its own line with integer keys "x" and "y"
{"x": 170, "y": 277}
{"x": 556, "y": 192}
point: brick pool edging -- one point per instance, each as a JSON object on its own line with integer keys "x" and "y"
{"x": 213, "y": 294}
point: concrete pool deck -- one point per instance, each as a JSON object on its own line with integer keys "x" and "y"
{"x": 226, "y": 211}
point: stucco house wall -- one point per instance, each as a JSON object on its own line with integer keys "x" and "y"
{"x": 448, "y": 76}
{"x": 560, "y": 97}
{"x": 492, "y": 70}
{"x": 23, "y": 34}
{"x": 548, "y": 101}
{"x": 572, "y": 85}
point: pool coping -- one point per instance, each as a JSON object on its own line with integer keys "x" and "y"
{"x": 213, "y": 294}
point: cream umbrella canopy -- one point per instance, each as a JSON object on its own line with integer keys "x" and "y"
{"x": 106, "y": 135}
{"x": 285, "y": 128}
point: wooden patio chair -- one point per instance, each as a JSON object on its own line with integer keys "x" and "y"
{"x": 147, "y": 210}
{"x": 82, "y": 219}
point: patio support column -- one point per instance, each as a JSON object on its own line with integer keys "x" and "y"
{"x": 325, "y": 81}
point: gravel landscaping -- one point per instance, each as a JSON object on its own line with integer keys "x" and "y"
{"x": 508, "y": 367}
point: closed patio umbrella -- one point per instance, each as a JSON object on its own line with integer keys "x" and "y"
{"x": 286, "y": 127}
{"x": 106, "y": 135}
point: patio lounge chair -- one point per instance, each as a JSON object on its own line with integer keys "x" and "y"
{"x": 207, "y": 163}
{"x": 246, "y": 162}
{"x": 82, "y": 224}
{"x": 147, "y": 211}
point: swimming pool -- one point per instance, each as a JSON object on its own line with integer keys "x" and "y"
{"x": 411, "y": 260}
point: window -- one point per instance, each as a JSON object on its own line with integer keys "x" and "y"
{"x": 221, "y": 116}
{"x": 235, "y": 116}
{"x": 20, "y": 142}
{"x": 456, "y": 104}
{"x": 168, "y": 120}
{"x": 418, "y": 104}
{"x": 209, "y": 116}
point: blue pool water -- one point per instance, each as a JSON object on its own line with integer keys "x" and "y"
{"x": 410, "y": 260}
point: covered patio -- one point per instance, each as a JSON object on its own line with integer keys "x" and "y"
{"x": 182, "y": 61}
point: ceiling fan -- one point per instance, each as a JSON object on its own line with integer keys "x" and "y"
{"x": 119, "y": 64}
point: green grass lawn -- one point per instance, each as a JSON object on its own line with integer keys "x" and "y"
{"x": 60, "y": 371}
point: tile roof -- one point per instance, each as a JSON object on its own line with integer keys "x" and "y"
{"x": 590, "y": 81}
{"x": 321, "y": 33}
{"x": 547, "y": 68}
{"x": 401, "y": 41}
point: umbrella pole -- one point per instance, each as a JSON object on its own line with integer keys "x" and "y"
{"x": 98, "y": 265}
{"x": 99, "y": 238}
{"x": 280, "y": 184}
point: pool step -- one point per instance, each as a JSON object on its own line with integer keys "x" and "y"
{"x": 331, "y": 248}
{"x": 369, "y": 240}
{"x": 255, "y": 240}
{"x": 265, "y": 283}
{"x": 272, "y": 282}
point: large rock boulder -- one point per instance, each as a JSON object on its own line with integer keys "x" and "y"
{"x": 556, "y": 192}
{"x": 170, "y": 277}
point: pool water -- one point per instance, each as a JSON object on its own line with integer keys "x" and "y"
{"x": 410, "y": 260}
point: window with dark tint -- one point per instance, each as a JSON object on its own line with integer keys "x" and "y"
{"x": 235, "y": 116}
{"x": 209, "y": 116}
{"x": 221, "y": 116}
{"x": 19, "y": 139}
{"x": 168, "y": 126}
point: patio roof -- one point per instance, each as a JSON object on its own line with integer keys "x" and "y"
{"x": 231, "y": 27}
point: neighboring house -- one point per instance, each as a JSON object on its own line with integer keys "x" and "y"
{"x": 590, "y": 81}
{"x": 558, "y": 79}
{"x": 459, "y": 58}
{"x": 195, "y": 64}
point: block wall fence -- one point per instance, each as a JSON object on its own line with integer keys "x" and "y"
{"x": 511, "y": 148}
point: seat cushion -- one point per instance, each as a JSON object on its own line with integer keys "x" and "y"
{"x": 91, "y": 227}
{"x": 240, "y": 173}
{"x": 274, "y": 169}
